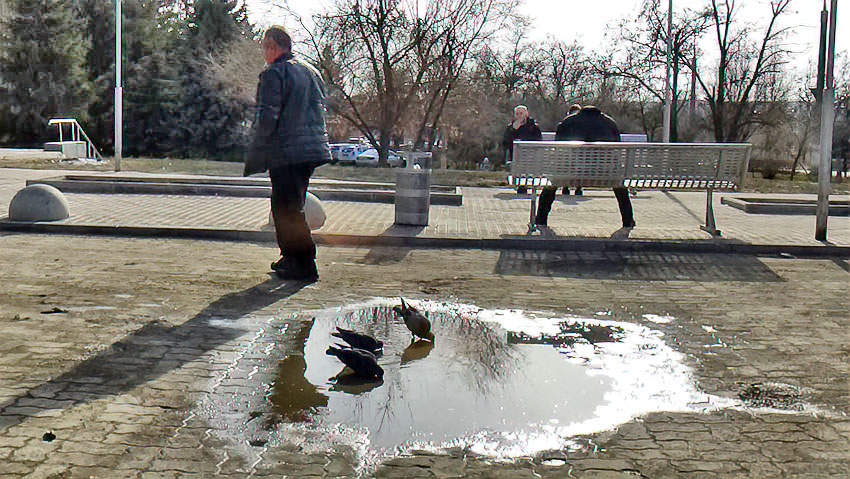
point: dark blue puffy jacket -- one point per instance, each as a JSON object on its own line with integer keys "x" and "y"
{"x": 289, "y": 124}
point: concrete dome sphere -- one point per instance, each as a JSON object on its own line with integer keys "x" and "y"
{"x": 39, "y": 203}
{"x": 313, "y": 210}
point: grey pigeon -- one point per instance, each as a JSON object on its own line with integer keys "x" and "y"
{"x": 415, "y": 321}
{"x": 359, "y": 341}
{"x": 362, "y": 362}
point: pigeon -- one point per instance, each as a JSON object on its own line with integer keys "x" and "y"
{"x": 362, "y": 362}
{"x": 415, "y": 321}
{"x": 359, "y": 341}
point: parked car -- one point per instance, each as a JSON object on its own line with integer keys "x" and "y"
{"x": 346, "y": 153}
{"x": 369, "y": 158}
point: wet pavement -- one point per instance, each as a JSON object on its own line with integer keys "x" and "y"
{"x": 166, "y": 358}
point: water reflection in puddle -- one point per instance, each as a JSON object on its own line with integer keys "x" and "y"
{"x": 502, "y": 383}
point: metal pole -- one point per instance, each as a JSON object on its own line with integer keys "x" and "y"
{"x": 824, "y": 27}
{"x": 668, "y": 94}
{"x": 119, "y": 90}
{"x": 826, "y": 123}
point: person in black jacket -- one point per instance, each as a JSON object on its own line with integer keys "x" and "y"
{"x": 574, "y": 108}
{"x": 589, "y": 124}
{"x": 290, "y": 141}
{"x": 522, "y": 128}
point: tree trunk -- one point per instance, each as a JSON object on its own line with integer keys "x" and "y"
{"x": 384, "y": 149}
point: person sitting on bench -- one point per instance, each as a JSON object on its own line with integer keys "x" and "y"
{"x": 522, "y": 128}
{"x": 589, "y": 124}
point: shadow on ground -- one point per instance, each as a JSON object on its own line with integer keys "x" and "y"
{"x": 572, "y": 199}
{"x": 149, "y": 352}
{"x": 392, "y": 254}
{"x": 635, "y": 266}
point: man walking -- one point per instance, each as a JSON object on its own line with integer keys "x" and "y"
{"x": 589, "y": 124}
{"x": 290, "y": 141}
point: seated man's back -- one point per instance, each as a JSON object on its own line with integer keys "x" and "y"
{"x": 589, "y": 124}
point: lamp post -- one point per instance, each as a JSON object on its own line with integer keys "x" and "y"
{"x": 668, "y": 93}
{"x": 119, "y": 89}
{"x": 827, "y": 120}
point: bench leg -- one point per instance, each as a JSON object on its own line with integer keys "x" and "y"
{"x": 709, "y": 225}
{"x": 532, "y": 225}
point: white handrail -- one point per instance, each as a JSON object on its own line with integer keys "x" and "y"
{"x": 76, "y": 132}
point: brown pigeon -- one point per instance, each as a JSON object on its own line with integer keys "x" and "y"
{"x": 415, "y": 321}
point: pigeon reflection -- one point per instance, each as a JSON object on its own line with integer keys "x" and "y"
{"x": 350, "y": 383}
{"x": 416, "y": 351}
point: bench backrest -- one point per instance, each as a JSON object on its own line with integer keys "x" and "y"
{"x": 640, "y": 165}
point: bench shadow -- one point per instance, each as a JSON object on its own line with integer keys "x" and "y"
{"x": 392, "y": 254}
{"x": 149, "y": 352}
{"x": 635, "y": 266}
{"x": 558, "y": 198}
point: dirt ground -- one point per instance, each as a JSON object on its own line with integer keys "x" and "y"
{"x": 70, "y": 301}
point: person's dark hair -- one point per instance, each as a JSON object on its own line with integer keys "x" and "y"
{"x": 278, "y": 35}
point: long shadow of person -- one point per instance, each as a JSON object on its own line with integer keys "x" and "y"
{"x": 149, "y": 352}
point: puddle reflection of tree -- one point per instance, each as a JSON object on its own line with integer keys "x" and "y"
{"x": 635, "y": 266}
{"x": 478, "y": 351}
{"x": 482, "y": 348}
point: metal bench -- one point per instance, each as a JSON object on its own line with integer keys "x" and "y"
{"x": 664, "y": 166}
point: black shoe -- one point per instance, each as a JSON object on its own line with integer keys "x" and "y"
{"x": 521, "y": 190}
{"x": 306, "y": 271}
{"x": 579, "y": 192}
{"x": 282, "y": 264}
{"x": 541, "y": 222}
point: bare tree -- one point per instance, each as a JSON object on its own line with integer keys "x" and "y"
{"x": 742, "y": 65}
{"x": 641, "y": 60}
{"x": 378, "y": 56}
{"x": 560, "y": 74}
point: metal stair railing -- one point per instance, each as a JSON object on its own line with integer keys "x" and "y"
{"x": 76, "y": 133}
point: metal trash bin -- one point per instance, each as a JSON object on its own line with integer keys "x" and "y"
{"x": 413, "y": 190}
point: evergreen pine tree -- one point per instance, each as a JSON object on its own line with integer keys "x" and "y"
{"x": 209, "y": 120}
{"x": 42, "y": 66}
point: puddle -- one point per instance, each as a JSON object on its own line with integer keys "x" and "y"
{"x": 502, "y": 383}
{"x": 475, "y": 379}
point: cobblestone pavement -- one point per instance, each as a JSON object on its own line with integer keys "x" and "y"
{"x": 488, "y": 213}
{"x": 109, "y": 346}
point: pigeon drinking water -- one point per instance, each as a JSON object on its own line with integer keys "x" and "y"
{"x": 362, "y": 362}
{"x": 415, "y": 321}
{"x": 359, "y": 341}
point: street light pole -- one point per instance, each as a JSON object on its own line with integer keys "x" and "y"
{"x": 119, "y": 90}
{"x": 827, "y": 120}
{"x": 668, "y": 93}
